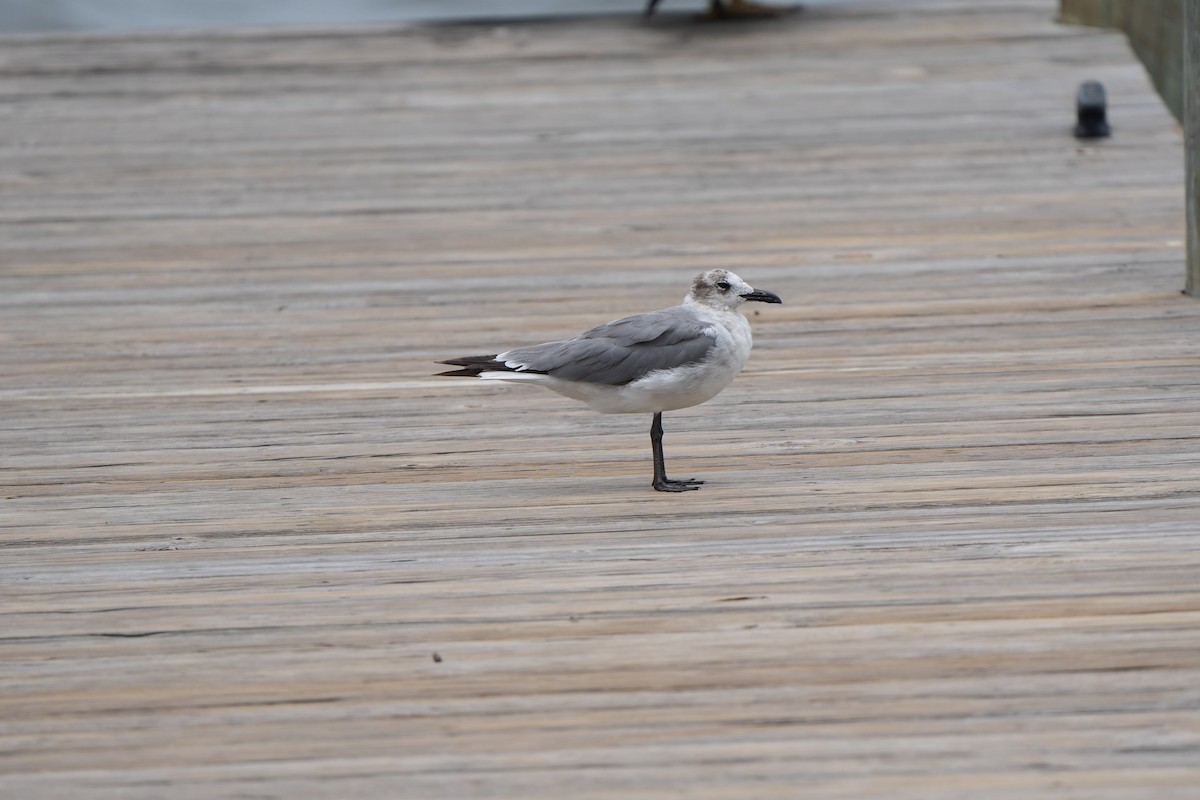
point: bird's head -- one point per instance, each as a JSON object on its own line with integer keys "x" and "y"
{"x": 720, "y": 288}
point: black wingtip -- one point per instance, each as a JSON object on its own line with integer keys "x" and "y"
{"x": 471, "y": 366}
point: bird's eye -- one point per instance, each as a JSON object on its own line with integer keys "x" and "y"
{"x": 723, "y": 286}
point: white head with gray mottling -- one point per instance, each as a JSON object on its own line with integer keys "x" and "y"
{"x": 722, "y": 289}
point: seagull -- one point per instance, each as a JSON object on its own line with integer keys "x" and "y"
{"x": 648, "y": 363}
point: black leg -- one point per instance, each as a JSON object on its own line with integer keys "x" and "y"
{"x": 661, "y": 482}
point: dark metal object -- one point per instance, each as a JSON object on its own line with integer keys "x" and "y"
{"x": 1091, "y": 111}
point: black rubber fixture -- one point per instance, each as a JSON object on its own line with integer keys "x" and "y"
{"x": 1091, "y": 111}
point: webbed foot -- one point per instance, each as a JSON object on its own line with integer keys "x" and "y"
{"x": 668, "y": 485}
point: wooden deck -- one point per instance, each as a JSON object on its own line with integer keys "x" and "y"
{"x": 949, "y": 544}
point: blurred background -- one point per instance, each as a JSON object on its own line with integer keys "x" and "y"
{"x": 30, "y": 16}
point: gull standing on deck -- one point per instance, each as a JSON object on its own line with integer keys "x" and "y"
{"x": 648, "y": 363}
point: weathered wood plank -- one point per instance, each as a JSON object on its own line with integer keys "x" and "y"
{"x": 947, "y": 548}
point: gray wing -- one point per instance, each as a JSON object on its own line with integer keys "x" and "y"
{"x": 619, "y": 352}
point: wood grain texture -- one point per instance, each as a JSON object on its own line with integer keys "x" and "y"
{"x": 948, "y": 547}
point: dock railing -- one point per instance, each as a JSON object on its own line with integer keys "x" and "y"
{"x": 1165, "y": 34}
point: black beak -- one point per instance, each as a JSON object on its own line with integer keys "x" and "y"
{"x": 762, "y": 296}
